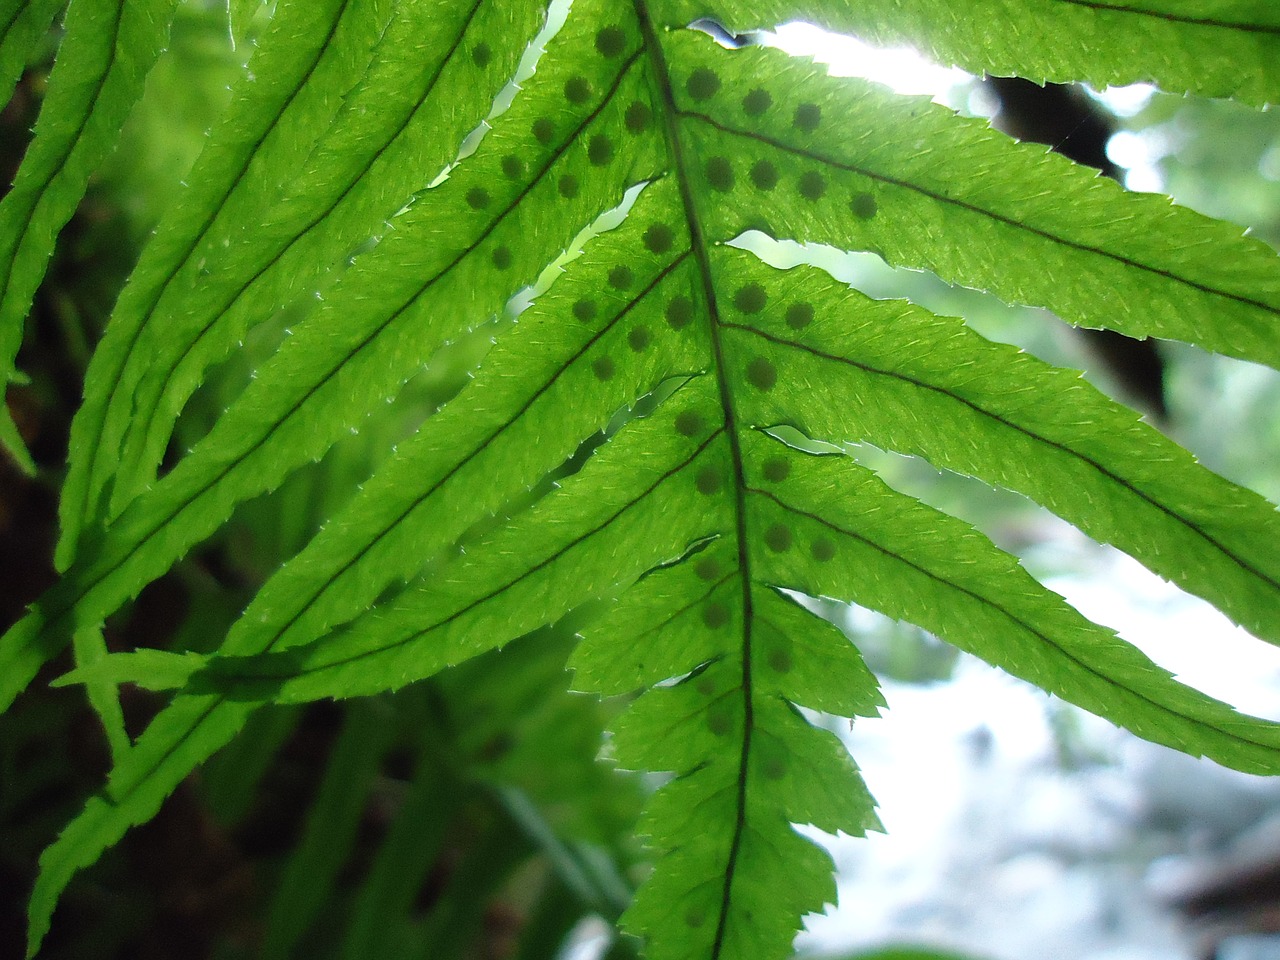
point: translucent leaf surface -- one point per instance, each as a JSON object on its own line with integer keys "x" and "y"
{"x": 1220, "y": 49}
{"x": 615, "y": 455}
{"x": 102, "y": 63}
{"x": 22, "y": 24}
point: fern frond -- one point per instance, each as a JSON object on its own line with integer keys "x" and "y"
{"x": 618, "y": 445}
{"x": 392, "y": 135}
{"x": 104, "y": 59}
{"x": 894, "y": 375}
{"x": 293, "y": 85}
{"x": 847, "y": 163}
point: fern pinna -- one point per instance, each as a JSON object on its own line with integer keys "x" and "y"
{"x": 377, "y": 180}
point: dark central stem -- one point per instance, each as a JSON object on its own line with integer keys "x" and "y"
{"x": 662, "y": 77}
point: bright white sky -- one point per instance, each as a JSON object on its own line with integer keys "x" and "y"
{"x": 907, "y": 72}
{"x": 914, "y": 757}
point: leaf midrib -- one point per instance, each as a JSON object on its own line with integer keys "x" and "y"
{"x": 8, "y": 25}
{"x": 671, "y": 114}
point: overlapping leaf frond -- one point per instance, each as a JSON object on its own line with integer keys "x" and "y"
{"x": 1224, "y": 49}
{"x": 696, "y": 523}
{"x": 101, "y": 67}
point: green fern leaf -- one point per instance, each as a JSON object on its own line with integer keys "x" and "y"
{"x": 22, "y": 24}
{"x": 1224, "y": 49}
{"x": 293, "y": 85}
{"x": 100, "y": 71}
{"x": 621, "y": 444}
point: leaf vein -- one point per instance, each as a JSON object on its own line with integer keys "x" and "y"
{"x": 496, "y": 591}
{"x": 1176, "y": 17}
{"x": 60, "y": 163}
{"x": 94, "y": 441}
{"x": 323, "y": 215}
{"x": 983, "y": 211}
{"x": 1012, "y": 618}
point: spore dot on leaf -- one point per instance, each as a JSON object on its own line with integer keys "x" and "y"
{"x": 621, "y": 277}
{"x": 708, "y": 481}
{"x": 679, "y": 312}
{"x": 762, "y": 374}
{"x": 799, "y": 315}
{"x": 600, "y": 150}
{"x": 720, "y": 174}
{"x": 778, "y": 538}
{"x": 502, "y": 258}
{"x": 719, "y": 719}
{"x": 764, "y": 175}
{"x": 706, "y": 686}
{"x": 780, "y": 660}
{"x": 568, "y": 186}
{"x": 481, "y": 55}
{"x": 544, "y": 130}
{"x": 577, "y": 90}
{"x": 756, "y": 102}
{"x": 707, "y": 569}
{"x": 512, "y": 167}
{"x": 695, "y": 917}
{"x": 776, "y": 469}
{"x": 774, "y": 767}
{"x": 863, "y": 206}
{"x": 703, "y": 84}
{"x": 477, "y": 198}
{"x": 638, "y": 339}
{"x": 808, "y": 116}
{"x": 610, "y": 41}
{"x": 689, "y": 423}
{"x": 751, "y": 298}
{"x": 637, "y": 117}
{"x": 812, "y": 185}
{"x": 585, "y": 310}
{"x": 822, "y": 549}
{"x": 715, "y": 615}
{"x": 658, "y": 238}
{"x": 603, "y": 368}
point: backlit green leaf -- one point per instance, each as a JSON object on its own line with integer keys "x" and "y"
{"x": 559, "y": 196}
